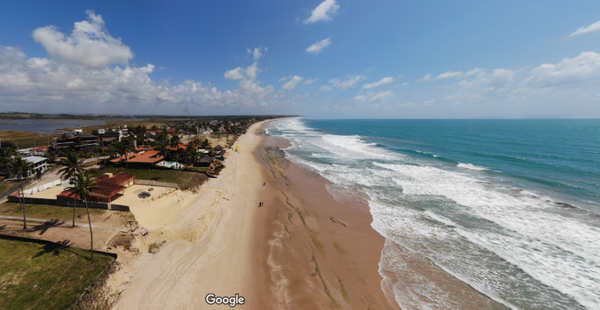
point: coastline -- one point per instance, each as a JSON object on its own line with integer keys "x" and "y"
{"x": 317, "y": 253}
{"x": 301, "y": 250}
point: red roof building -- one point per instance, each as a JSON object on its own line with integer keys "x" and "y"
{"x": 148, "y": 157}
{"x": 110, "y": 187}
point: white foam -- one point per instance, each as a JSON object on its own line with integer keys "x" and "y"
{"x": 490, "y": 235}
{"x": 471, "y": 167}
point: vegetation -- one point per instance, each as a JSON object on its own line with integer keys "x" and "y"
{"x": 46, "y": 211}
{"x": 21, "y": 167}
{"x": 24, "y": 139}
{"x": 83, "y": 187}
{"x": 37, "y": 276}
{"x": 72, "y": 165}
{"x": 186, "y": 180}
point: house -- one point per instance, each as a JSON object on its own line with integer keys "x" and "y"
{"x": 39, "y": 164}
{"x": 205, "y": 161}
{"x": 78, "y": 141}
{"x": 217, "y": 149}
{"x": 146, "y": 157}
{"x": 39, "y": 151}
{"x": 110, "y": 188}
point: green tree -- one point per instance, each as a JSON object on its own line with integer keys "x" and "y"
{"x": 164, "y": 151}
{"x": 205, "y": 144}
{"x": 22, "y": 168}
{"x": 126, "y": 147}
{"x": 174, "y": 143}
{"x": 72, "y": 166}
{"x": 6, "y": 158}
{"x": 83, "y": 186}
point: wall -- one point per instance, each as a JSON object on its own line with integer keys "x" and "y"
{"x": 68, "y": 203}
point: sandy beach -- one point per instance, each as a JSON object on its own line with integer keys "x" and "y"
{"x": 300, "y": 250}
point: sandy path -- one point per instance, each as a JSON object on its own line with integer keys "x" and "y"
{"x": 209, "y": 246}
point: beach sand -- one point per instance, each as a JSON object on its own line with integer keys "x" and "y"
{"x": 301, "y": 250}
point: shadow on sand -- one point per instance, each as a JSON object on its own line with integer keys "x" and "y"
{"x": 42, "y": 228}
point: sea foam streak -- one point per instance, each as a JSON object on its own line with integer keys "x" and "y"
{"x": 511, "y": 244}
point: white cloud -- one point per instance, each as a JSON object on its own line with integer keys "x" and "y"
{"x": 235, "y": 74}
{"x": 381, "y": 96}
{"x": 322, "y": 11}
{"x": 581, "y": 69}
{"x": 473, "y": 72}
{"x": 51, "y": 85}
{"x": 449, "y": 74}
{"x": 310, "y": 81}
{"x": 293, "y": 83}
{"x": 403, "y": 84}
{"x": 317, "y": 47}
{"x": 593, "y": 27}
{"x": 350, "y": 82}
{"x": 371, "y": 96}
{"x": 89, "y": 44}
{"x": 326, "y": 88}
{"x": 257, "y": 53}
{"x": 385, "y": 80}
{"x": 427, "y": 77}
{"x": 283, "y": 79}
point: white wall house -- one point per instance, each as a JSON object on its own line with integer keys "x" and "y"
{"x": 38, "y": 163}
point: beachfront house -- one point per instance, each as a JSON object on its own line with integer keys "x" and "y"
{"x": 110, "y": 188}
{"x": 39, "y": 164}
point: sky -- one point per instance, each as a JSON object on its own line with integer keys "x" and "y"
{"x": 318, "y": 58}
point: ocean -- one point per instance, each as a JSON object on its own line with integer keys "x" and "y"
{"x": 511, "y": 208}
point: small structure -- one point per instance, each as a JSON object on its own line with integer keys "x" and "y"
{"x": 110, "y": 187}
{"x": 217, "y": 149}
{"x": 38, "y": 163}
{"x": 205, "y": 161}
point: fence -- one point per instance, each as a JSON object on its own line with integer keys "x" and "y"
{"x": 41, "y": 188}
{"x": 68, "y": 203}
{"x": 154, "y": 183}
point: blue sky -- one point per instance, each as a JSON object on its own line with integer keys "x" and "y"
{"x": 322, "y": 59}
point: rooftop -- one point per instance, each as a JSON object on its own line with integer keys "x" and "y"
{"x": 151, "y": 157}
{"x": 35, "y": 159}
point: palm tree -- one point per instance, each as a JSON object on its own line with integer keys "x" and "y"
{"x": 6, "y": 158}
{"x": 126, "y": 147}
{"x": 164, "y": 151}
{"x": 194, "y": 144}
{"x": 72, "y": 166}
{"x": 82, "y": 187}
{"x": 51, "y": 155}
{"x": 22, "y": 167}
{"x": 205, "y": 144}
{"x": 174, "y": 143}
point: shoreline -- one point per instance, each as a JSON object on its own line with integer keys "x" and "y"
{"x": 301, "y": 250}
{"x": 319, "y": 253}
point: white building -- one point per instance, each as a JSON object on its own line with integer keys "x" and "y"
{"x": 38, "y": 163}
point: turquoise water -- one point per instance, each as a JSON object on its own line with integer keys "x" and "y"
{"x": 509, "y": 207}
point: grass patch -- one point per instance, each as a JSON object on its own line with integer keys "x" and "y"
{"x": 186, "y": 180}
{"x": 123, "y": 240}
{"x": 47, "y": 211}
{"x": 38, "y": 276}
{"x": 25, "y": 139}
{"x": 8, "y": 185}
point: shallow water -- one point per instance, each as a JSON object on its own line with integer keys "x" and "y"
{"x": 45, "y": 126}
